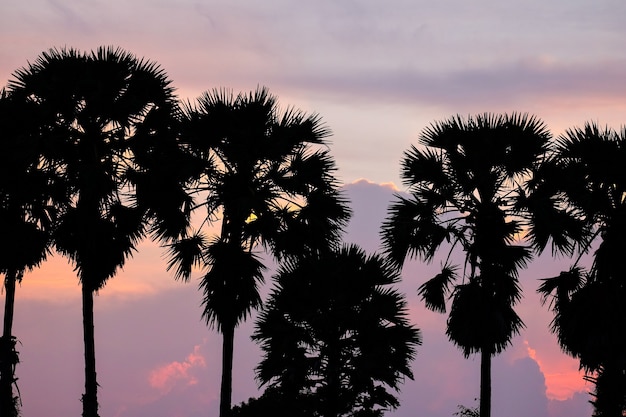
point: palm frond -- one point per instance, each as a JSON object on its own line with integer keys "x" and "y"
{"x": 479, "y": 321}
{"x": 561, "y": 287}
{"x": 411, "y": 229}
{"x": 424, "y": 167}
{"x": 185, "y": 254}
{"x": 435, "y": 291}
{"x": 231, "y": 286}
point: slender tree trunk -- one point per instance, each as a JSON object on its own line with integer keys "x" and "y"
{"x": 90, "y": 398}
{"x": 9, "y": 286}
{"x": 226, "y": 389}
{"x": 8, "y": 356}
{"x": 485, "y": 383}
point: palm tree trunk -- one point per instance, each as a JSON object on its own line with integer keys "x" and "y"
{"x": 226, "y": 389}
{"x": 8, "y": 356}
{"x": 485, "y": 383}
{"x": 90, "y": 398}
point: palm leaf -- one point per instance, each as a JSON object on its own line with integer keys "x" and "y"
{"x": 184, "y": 254}
{"x": 435, "y": 291}
{"x": 231, "y": 287}
{"x": 562, "y": 286}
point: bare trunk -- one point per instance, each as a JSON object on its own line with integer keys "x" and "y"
{"x": 9, "y": 285}
{"x": 8, "y": 355}
{"x": 90, "y": 398}
{"x": 485, "y": 383}
{"x": 226, "y": 390}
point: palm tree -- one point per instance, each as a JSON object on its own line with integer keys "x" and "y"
{"x": 585, "y": 175}
{"x": 107, "y": 119}
{"x": 27, "y": 195}
{"x": 335, "y": 335}
{"x": 269, "y": 181}
{"x": 464, "y": 184}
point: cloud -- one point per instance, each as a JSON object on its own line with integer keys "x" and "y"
{"x": 577, "y": 405}
{"x": 369, "y": 202}
{"x": 563, "y": 380}
{"x": 519, "y": 389}
{"x": 500, "y": 86}
{"x": 379, "y": 73}
{"x": 444, "y": 55}
{"x": 166, "y": 377}
{"x": 72, "y": 18}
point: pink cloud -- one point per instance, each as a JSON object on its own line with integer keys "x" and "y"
{"x": 166, "y": 377}
{"x": 563, "y": 379}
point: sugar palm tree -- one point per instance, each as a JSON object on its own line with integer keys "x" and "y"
{"x": 586, "y": 176}
{"x": 27, "y": 197}
{"x": 269, "y": 181}
{"x": 107, "y": 117}
{"x": 464, "y": 182}
{"x": 335, "y": 335}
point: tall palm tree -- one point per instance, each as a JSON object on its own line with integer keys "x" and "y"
{"x": 335, "y": 335}
{"x": 464, "y": 182}
{"x": 269, "y": 180}
{"x": 27, "y": 197}
{"x": 107, "y": 118}
{"x": 585, "y": 174}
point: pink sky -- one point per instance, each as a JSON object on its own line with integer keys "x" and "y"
{"x": 377, "y": 75}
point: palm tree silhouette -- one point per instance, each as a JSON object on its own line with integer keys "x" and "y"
{"x": 335, "y": 336}
{"x": 99, "y": 109}
{"x": 464, "y": 187}
{"x": 269, "y": 181}
{"x": 585, "y": 175}
{"x": 27, "y": 197}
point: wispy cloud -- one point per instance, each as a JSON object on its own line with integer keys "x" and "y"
{"x": 498, "y": 86}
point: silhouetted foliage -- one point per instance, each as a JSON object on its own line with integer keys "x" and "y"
{"x": 28, "y": 193}
{"x": 585, "y": 175}
{"x": 273, "y": 402}
{"x": 464, "y": 185}
{"x": 467, "y": 412}
{"x": 11, "y": 401}
{"x": 106, "y": 122}
{"x": 335, "y": 336}
{"x": 268, "y": 181}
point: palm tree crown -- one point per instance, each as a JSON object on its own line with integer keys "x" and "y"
{"x": 334, "y": 335}
{"x": 464, "y": 188}
{"x": 264, "y": 182}
{"x": 28, "y": 194}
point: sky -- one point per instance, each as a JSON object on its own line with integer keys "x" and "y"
{"x": 377, "y": 73}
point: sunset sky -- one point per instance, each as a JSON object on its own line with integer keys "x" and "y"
{"x": 377, "y": 72}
